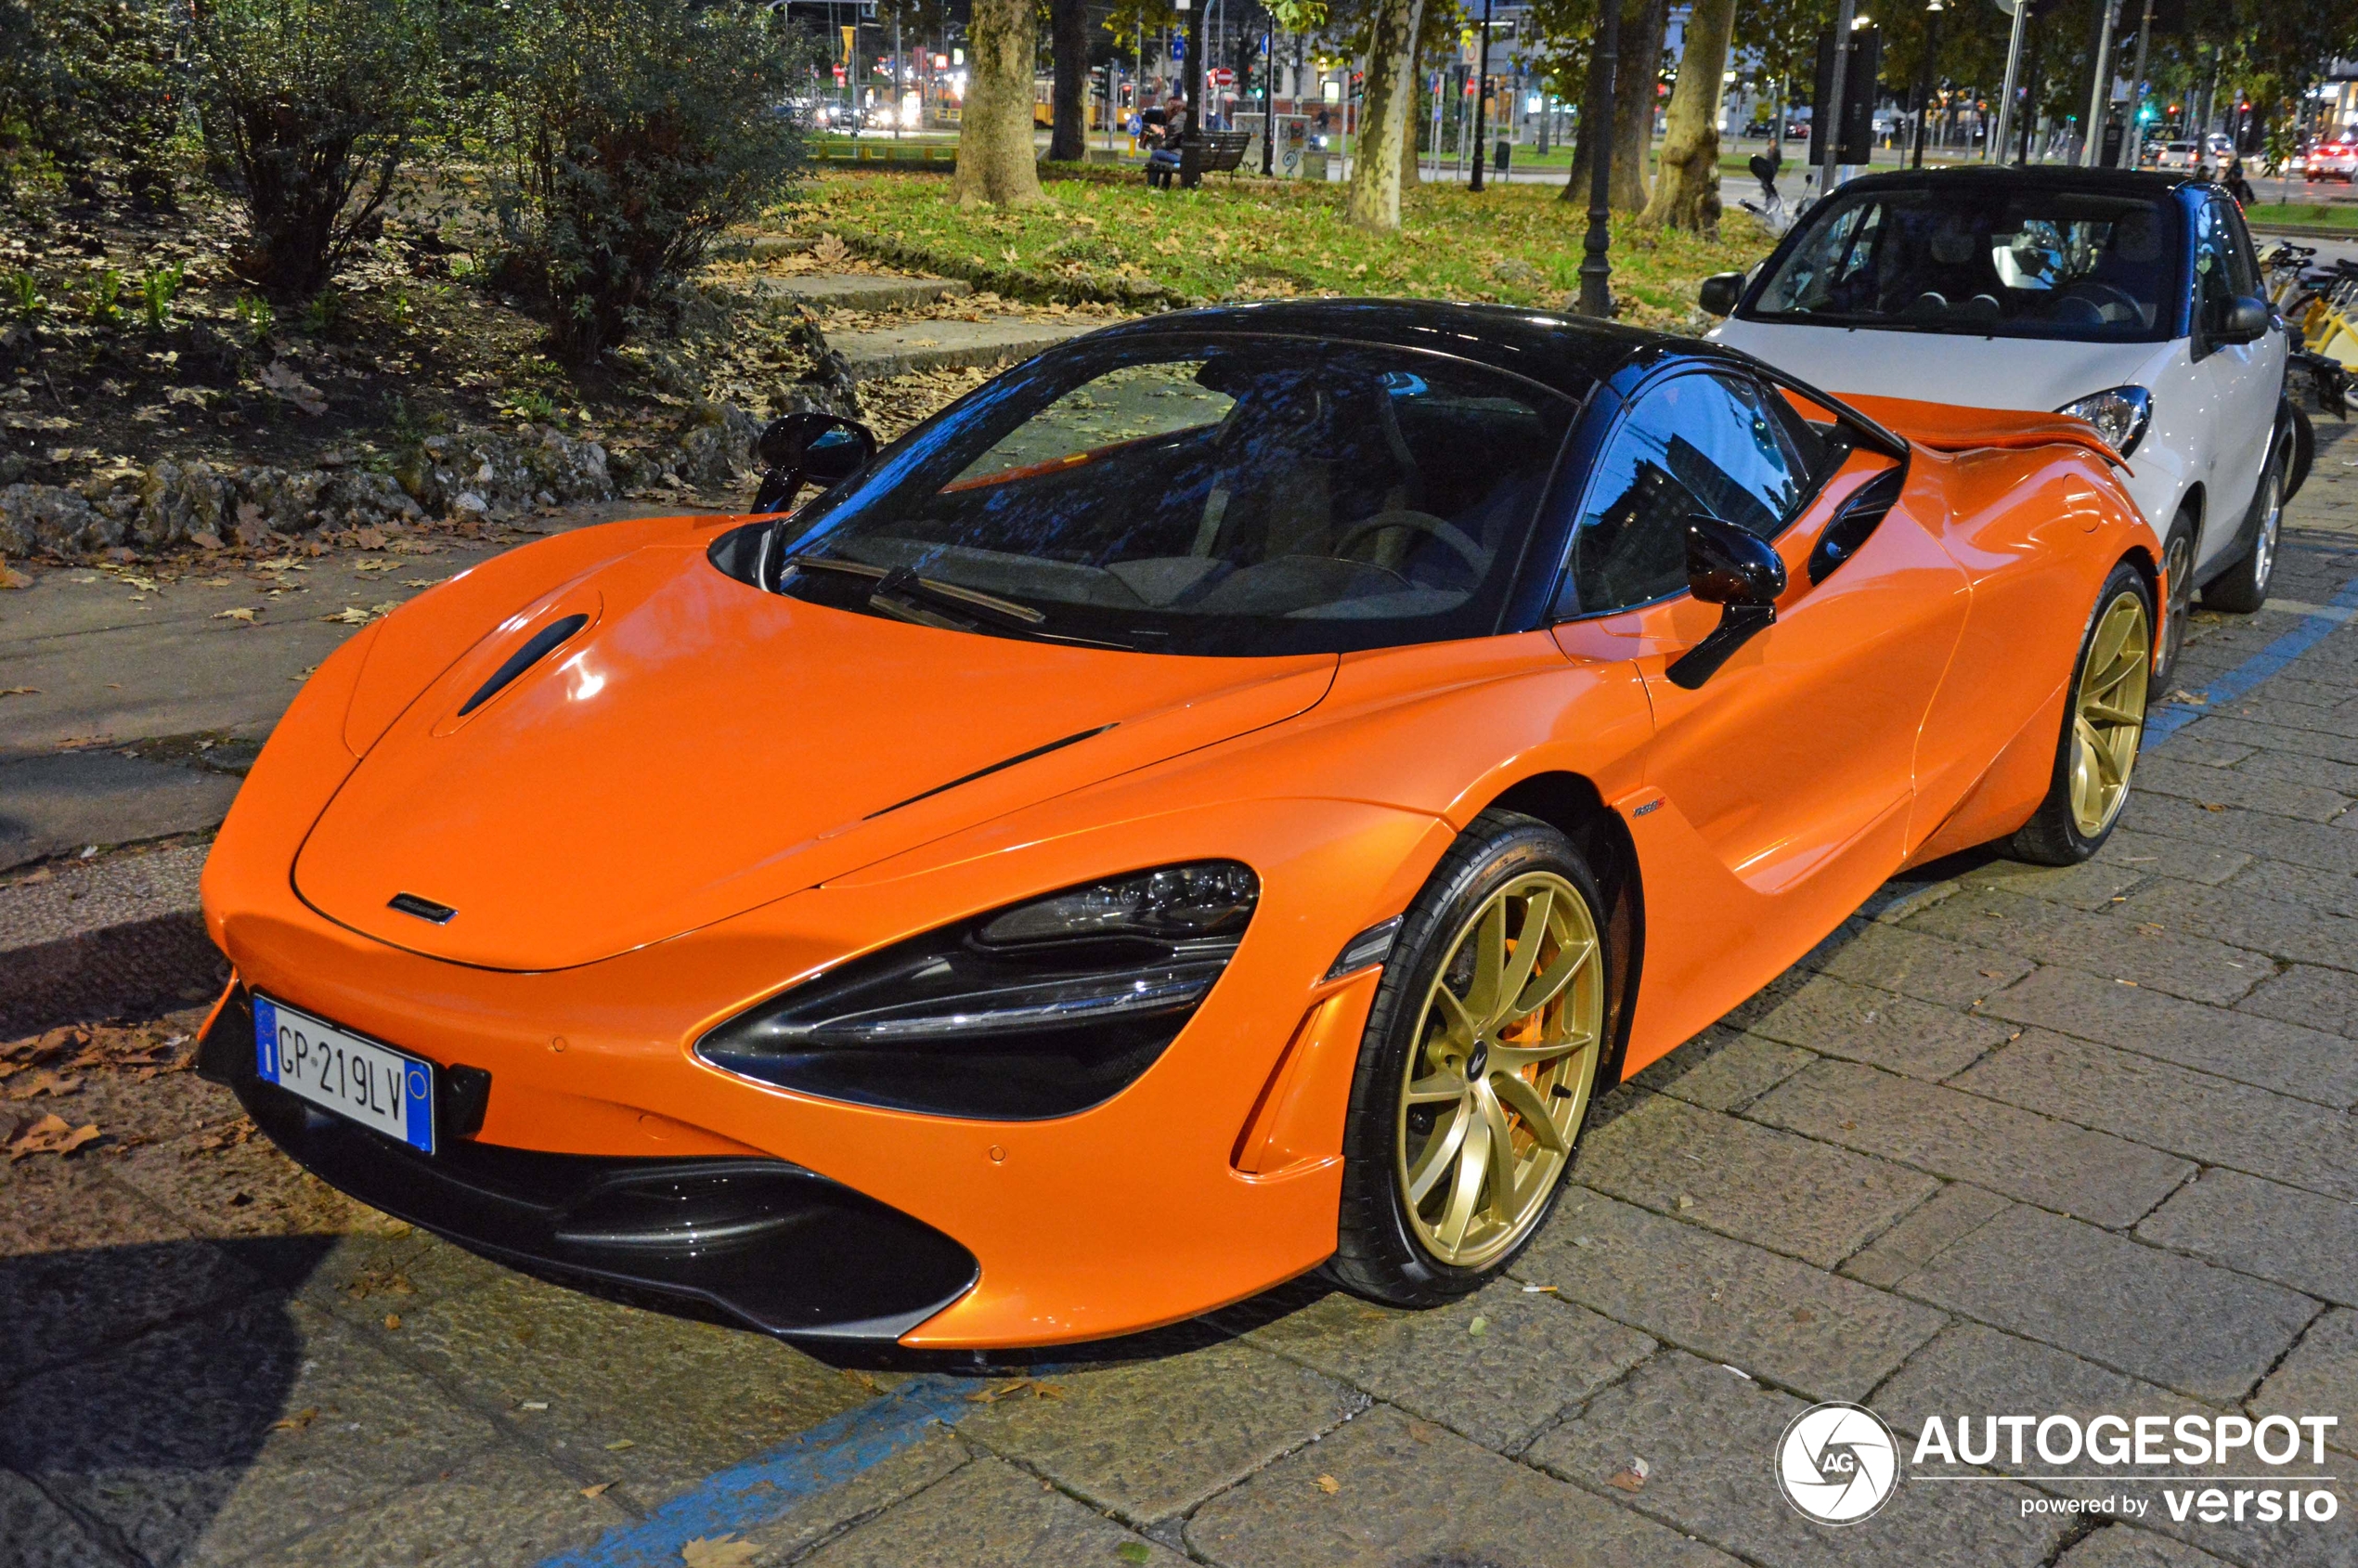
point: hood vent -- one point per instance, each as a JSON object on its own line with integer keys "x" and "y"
{"x": 523, "y": 658}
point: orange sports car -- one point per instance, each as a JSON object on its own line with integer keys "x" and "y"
{"x": 1214, "y": 803}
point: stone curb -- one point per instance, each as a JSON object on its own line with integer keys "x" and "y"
{"x": 477, "y": 474}
{"x": 106, "y": 938}
{"x": 855, "y": 290}
{"x": 942, "y": 346}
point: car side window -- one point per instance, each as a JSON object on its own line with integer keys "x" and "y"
{"x": 1702, "y": 443}
{"x": 2223, "y": 267}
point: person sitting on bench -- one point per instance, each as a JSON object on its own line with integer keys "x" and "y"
{"x": 1162, "y": 162}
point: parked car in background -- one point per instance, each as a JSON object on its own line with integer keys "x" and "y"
{"x": 2175, "y": 155}
{"x": 2133, "y": 300}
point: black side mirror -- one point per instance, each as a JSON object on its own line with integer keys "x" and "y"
{"x": 809, "y": 448}
{"x": 1742, "y": 573}
{"x": 1720, "y": 291}
{"x": 1764, "y": 168}
{"x": 2247, "y": 321}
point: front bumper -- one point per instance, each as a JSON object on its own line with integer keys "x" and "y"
{"x": 783, "y": 1249}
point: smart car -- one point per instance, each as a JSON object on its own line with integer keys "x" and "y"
{"x": 2133, "y": 300}
{"x": 1218, "y": 802}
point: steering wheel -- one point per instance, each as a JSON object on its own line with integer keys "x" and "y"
{"x": 2094, "y": 291}
{"x": 1477, "y": 560}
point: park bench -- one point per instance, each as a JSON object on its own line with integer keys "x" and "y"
{"x": 1211, "y": 153}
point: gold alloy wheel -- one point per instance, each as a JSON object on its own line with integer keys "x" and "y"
{"x": 1501, "y": 1076}
{"x": 2109, "y": 714}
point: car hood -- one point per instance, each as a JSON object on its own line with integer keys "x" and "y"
{"x": 1976, "y": 372}
{"x": 700, "y": 747}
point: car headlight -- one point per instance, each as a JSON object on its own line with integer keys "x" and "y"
{"x": 1041, "y": 1009}
{"x": 2120, "y": 415}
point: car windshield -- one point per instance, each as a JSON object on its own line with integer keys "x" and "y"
{"x": 1985, "y": 259}
{"x": 1229, "y": 495}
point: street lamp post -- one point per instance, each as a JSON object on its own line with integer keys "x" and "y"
{"x": 2100, "y": 94}
{"x": 1481, "y": 99}
{"x": 2132, "y": 146}
{"x": 1993, "y": 151}
{"x": 1596, "y": 272}
{"x": 1826, "y": 144}
{"x": 1925, "y": 80}
{"x": 1269, "y": 93}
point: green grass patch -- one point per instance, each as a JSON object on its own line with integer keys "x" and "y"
{"x": 1106, "y": 239}
{"x": 2308, "y": 213}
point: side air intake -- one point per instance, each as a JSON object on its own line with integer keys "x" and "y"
{"x": 1858, "y": 518}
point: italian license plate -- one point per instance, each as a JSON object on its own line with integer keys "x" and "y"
{"x": 372, "y": 1084}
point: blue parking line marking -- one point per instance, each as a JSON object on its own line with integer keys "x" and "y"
{"x": 768, "y": 1487}
{"x": 2168, "y": 718}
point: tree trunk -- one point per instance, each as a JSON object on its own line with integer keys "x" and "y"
{"x": 1686, "y": 195}
{"x": 1411, "y": 172}
{"x": 1068, "y": 42}
{"x": 995, "y": 162}
{"x": 1390, "y": 98}
{"x": 1594, "y": 114}
{"x": 1642, "y": 26}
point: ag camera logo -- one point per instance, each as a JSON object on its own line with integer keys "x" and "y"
{"x": 1837, "y": 1463}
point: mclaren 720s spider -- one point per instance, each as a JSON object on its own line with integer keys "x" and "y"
{"x": 1217, "y": 802}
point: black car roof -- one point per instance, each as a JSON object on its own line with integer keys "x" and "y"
{"x": 2040, "y": 176}
{"x": 1570, "y": 354}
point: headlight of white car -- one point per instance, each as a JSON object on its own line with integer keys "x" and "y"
{"x": 2120, "y": 415}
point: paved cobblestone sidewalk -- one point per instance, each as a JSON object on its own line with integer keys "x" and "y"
{"x": 2013, "y": 1140}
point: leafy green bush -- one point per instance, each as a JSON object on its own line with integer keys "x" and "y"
{"x": 633, "y": 130}
{"x": 308, "y": 106}
{"x": 93, "y": 87}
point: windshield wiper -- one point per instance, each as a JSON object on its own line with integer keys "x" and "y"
{"x": 901, "y": 579}
{"x": 896, "y": 585}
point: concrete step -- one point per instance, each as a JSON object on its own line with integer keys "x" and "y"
{"x": 102, "y": 939}
{"x": 940, "y": 345}
{"x": 861, "y": 290}
{"x": 764, "y": 247}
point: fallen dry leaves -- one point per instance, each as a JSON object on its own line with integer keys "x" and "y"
{"x": 719, "y": 1551}
{"x": 382, "y": 1282}
{"x": 52, "y": 1134}
{"x": 243, "y": 615}
{"x": 231, "y": 1136}
{"x": 598, "y": 1490}
{"x": 1031, "y": 1386}
{"x": 45, "y": 1081}
{"x": 297, "y": 1421}
{"x": 1329, "y": 1485}
{"x": 283, "y": 380}
{"x": 84, "y": 1048}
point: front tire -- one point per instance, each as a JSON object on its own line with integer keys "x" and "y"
{"x": 2102, "y": 726}
{"x": 1477, "y": 1068}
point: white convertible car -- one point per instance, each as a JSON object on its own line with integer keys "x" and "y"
{"x": 2133, "y": 300}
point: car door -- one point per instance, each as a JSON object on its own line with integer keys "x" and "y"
{"x": 2238, "y": 385}
{"x": 1779, "y": 789}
